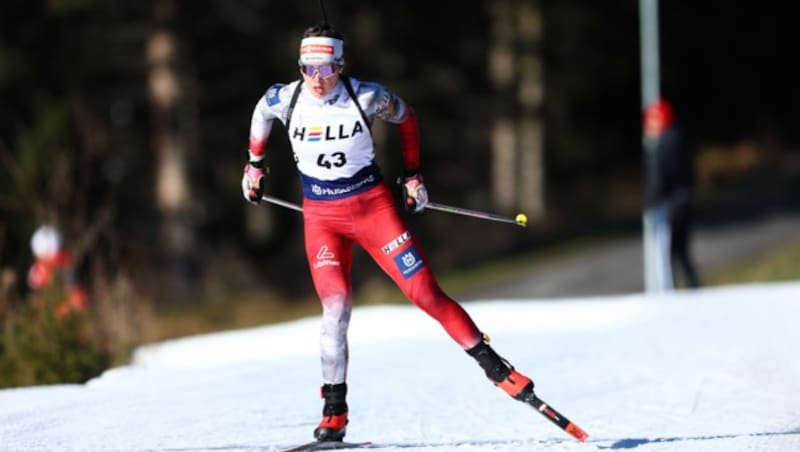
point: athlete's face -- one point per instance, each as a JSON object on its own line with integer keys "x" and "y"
{"x": 320, "y": 79}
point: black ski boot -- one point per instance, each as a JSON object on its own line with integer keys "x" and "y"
{"x": 500, "y": 371}
{"x": 334, "y": 413}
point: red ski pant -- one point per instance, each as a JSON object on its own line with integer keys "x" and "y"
{"x": 371, "y": 221}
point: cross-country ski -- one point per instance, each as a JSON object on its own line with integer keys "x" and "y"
{"x": 327, "y": 445}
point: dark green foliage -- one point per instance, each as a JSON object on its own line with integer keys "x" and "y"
{"x": 42, "y": 342}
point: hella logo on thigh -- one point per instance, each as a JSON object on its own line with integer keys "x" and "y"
{"x": 394, "y": 244}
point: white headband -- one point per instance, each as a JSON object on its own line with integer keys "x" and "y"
{"x": 321, "y": 50}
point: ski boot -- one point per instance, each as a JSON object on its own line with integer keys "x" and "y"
{"x": 334, "y": 413}
{"x": 500, "y": 371}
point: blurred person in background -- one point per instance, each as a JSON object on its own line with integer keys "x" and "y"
{"x": 670, "y": 189}
{"x": 52, "y": 262}
{"x": 328, "y": 118}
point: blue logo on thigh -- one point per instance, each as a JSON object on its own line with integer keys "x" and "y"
{"x": 409, "y": 262}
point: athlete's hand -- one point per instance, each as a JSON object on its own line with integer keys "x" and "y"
{"x": 415, "y": 193}
{"x": 253, "y": 183}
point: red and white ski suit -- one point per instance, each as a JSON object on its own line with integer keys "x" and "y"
{"x": 346, "y": 202}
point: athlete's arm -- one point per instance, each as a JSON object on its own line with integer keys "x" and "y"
{"x": 267, "y": 109}
{"x": 409, "y": 142}
{"x": 392, "y": 108}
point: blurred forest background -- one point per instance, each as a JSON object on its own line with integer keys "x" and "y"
{"x": 125, "y": 124}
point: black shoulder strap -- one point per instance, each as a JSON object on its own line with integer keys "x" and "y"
{"x": 352, "y": 94}
{"x": 350, "y": 91}
{"x": 292, "y": 103}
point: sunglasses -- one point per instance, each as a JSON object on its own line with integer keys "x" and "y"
{"x": 324, "y": 71}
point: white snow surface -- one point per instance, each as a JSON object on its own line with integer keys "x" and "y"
{"x": 707, "y": 370}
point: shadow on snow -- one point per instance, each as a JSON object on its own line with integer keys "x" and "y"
{"x": 632, "y": 443}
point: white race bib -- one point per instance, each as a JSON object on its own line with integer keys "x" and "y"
{"x": 330, "y": 141}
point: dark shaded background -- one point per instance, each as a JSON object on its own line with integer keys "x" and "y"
{"x": 76, "y": 127}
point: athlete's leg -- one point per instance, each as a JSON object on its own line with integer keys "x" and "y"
{"x": 387, "y": 239}
{"x": 329, "y": 254}
{"x": 329, "y": 259}
{"x": 385, "y": 236}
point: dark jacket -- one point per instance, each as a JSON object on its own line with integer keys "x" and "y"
{"x": 670, "y": 170}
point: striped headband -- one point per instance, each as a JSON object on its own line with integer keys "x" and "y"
{"x": 318, "y": 50}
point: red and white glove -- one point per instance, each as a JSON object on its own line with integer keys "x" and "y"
{"x": 253, "y": 182}
{"x": 415, "y": 193}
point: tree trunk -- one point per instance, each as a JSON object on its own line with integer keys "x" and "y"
{"x": 167, "y": 89}
{"x": 517, "y": 137}
{"x": 503, "y": 133}
{"x": 530, "y": 95}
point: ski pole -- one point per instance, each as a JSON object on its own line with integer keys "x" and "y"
{"x": 519, "y": 220}
{"x": 281, "y": 203}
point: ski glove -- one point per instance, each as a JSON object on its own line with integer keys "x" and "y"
{"x": 415, "y": 193}
{"x": 253, "y": 182}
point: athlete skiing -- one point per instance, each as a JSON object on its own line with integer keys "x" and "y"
{"x": 328, "y": 116}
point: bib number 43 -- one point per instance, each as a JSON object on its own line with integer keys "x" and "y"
{"x": 328, "y": 161}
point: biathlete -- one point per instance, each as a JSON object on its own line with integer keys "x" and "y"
{"x": 328, "y": 116}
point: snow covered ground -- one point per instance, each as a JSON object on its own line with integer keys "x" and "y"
{"x": 711, "y": 370}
